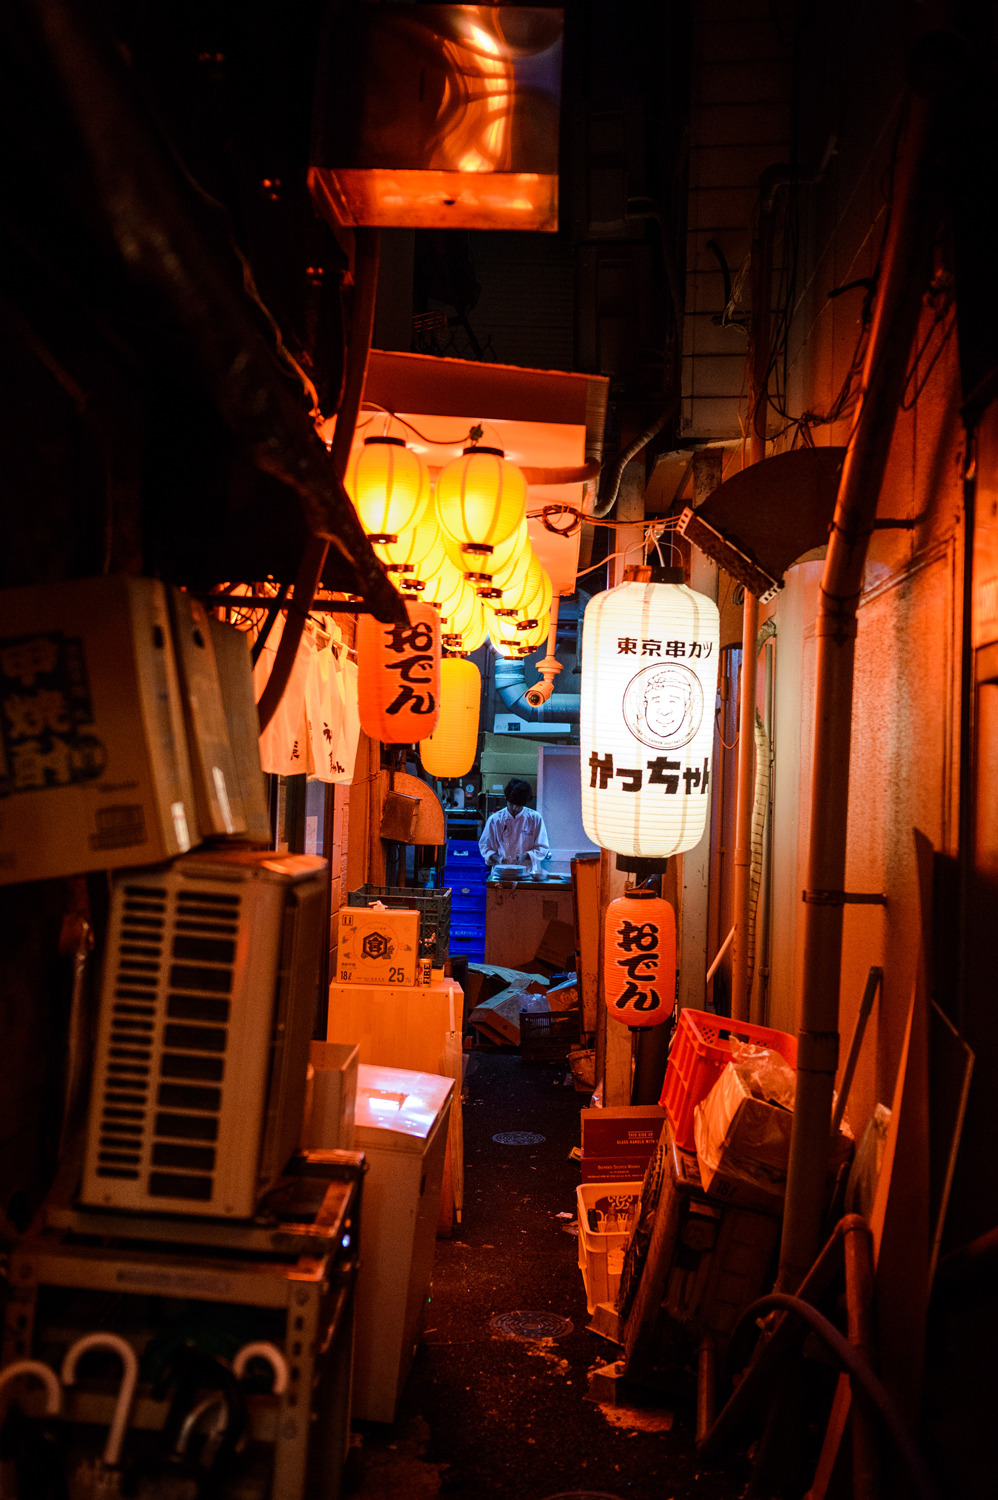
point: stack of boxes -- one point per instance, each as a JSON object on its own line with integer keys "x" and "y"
{"x": 466, "y": 873}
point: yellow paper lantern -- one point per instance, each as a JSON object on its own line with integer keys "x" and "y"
{"x": 649, "y": 682}
{"x": 444, "y": 586}
{"x": 517, "y": 634}
{"x": 509, "y": 574}
{"x": 478, "y": 567}
{"x": 477, "y": 633}
{"x": 481, "y": 498}
{"x": 450, "y": 750}
{"x": 389, "y": 486}
{"x": 529, "y": 591}
{"x": 420, "y": 547}
{"x": 461, "y": 616}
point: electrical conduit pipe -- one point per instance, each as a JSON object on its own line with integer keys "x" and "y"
{"x": 905, "y": 273}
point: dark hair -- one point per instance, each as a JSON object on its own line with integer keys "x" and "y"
{"x": 518, "y": 791}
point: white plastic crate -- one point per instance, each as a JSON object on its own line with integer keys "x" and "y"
{"x": 601, "y": 1250}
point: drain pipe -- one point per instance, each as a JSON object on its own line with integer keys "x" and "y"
{"x": 741, "y": 898}
{"x": 904, "y": 276}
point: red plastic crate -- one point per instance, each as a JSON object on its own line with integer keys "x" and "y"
{"x": 700, "y": 1049}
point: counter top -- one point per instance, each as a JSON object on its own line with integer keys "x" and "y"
{"x": 545, "y": 882}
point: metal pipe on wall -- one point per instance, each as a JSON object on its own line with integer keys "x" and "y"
{"x": 904, "y": 275}
{"x": 760, "y": 343}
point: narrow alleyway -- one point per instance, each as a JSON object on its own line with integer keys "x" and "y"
{"x": 486, "y": 1415}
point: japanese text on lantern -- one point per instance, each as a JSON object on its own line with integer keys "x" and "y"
{"x": 631, "y": 645}
{"x": 661, "y": 772}
{"x": 409, "y": 652}
{"x": 638, "y": 943}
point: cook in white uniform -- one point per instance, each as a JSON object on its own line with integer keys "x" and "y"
{"x": 513, "y": 831}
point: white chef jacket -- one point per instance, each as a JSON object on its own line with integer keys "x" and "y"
{"x": 506, "y": 839}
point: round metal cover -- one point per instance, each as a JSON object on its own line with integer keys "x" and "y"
{"x": 531, "y": 1325}
{"x": 517, "y": 1138}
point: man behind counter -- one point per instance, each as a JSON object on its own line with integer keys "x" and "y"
{"x": 513, "y": 831}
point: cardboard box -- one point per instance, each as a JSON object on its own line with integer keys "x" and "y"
{"x": 631, "y": 1130}
{"x": 330, "y": 1096}
{"x": 721, "y": 1188}
{"x": 557, "y": 946}
{"x": 618, "y": 1143}
{"x": 94, "y": 768}
{"x": 377, "y": 947}
{"x": 743, "y": 1144}
{"x": 498, "y": 1019}
{"x": 613, "y": 1168}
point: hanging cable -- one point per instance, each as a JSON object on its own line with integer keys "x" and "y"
{"x": 314, "y": 556}
{"x": 268, "y": 624}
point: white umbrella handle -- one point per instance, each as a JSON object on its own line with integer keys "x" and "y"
{"x": 273, "y": 1356}
{"x": 126, "y": 1390}
{"x": 24, "y": 1368}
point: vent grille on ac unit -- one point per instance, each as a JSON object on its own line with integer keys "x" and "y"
{"x": 192, "y": 968}
{"x": 133, "y": 1022}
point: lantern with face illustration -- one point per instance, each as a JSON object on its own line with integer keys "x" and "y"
{"x": 639, "y": 959}
{"x": 399, "y": 676}
{"x": 649, "y": 681}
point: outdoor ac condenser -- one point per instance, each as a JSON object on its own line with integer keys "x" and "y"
{"x": 207, "y": 1011}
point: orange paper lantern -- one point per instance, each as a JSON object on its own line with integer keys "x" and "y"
{"x": 451, "y": 748}
{"x": 639, "y": 963}
{"x": 399, "y": 676}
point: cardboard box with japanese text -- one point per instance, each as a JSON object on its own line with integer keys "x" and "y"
{"x": 377, "y": 946}
{"x": 94, "y": 768}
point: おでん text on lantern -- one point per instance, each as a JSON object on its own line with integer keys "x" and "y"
{"x": 639, "y": 959}
{"x": 399, "y": 676}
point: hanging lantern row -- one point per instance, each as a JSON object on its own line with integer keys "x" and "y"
{"x": 464, "y": 549}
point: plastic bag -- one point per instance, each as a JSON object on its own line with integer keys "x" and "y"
{"x": 766, "y": 1074}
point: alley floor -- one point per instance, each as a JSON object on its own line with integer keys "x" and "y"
{"x": 487, "y": 1415}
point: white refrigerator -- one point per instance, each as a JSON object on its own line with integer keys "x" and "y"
{"x": 401, "y": 1126}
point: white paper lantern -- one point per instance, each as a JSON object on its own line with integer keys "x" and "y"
{"x": 649, "y": 683}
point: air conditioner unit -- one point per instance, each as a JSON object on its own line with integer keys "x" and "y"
{"x": 207, "y": 1012}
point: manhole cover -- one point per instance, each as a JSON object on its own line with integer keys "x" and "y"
{"x": 517, "y": 1138}
{"x": 531, "y": 1325}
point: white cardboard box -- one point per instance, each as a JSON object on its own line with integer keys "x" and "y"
{"x": 94, "y": 769}
{"x": 377, "y": 947}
